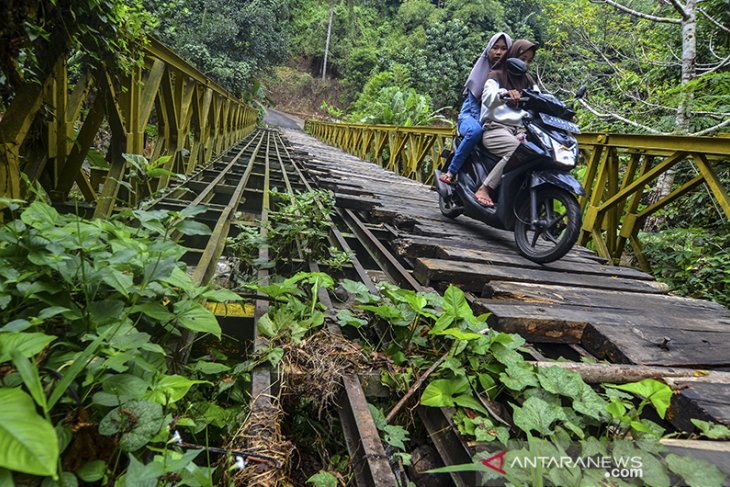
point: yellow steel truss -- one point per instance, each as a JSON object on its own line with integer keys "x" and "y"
{"x": 195, "y": 118}
{"x": 620, "y": 168}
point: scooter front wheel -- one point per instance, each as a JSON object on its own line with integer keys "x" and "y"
{"x": 557, "y": 227}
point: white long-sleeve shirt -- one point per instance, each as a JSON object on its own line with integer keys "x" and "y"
{"x": 494, "y": 109}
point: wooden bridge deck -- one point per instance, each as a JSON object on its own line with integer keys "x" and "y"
{"x": 579, "y": 305}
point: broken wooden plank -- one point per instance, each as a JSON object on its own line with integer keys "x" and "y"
{"x": 642, "y": 344}
{"x": 706, "y": 401}
{"x": 554, "y": 294}
{"x": 516, "y": 260}
{"x": 473, "y": 276}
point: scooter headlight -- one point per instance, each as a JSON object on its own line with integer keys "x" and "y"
{"x": 564, "y": 155}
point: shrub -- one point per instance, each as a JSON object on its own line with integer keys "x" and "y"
{"x": 694, "y": 261}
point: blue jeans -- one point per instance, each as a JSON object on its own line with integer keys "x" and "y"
{"x": 471, "y": 131}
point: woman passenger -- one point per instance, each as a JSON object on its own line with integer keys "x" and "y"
{"x": 469, "y": 123}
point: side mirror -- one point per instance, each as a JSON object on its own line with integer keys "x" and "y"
{"x": 516, "y": 66}
{"x": 581, "y": 92}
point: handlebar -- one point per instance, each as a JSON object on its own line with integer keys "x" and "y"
{"x": 523, "y": 98}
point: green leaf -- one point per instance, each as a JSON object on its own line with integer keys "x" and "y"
{"x": 125, "y": 385}
{"x": 140, "y": 475}
{"x": 106, "y": 312}
{"x": 560, "y": 381}
{"x": 441, "y": 392}
{"x": 210, "y": 367}
{"x": 657, "y": 392}
{"x": 346, "y": 317}
{"x": 388, "y": 313}
{"x": 6, "y": 478}
{"x": 29, "y": 373}
{"x": 67, "y": 479}
{"x": 458, "y": 334}
{"x": 120, "y": 281}
{"x": 360, "y": 290}
{"x": 191, "y": 227}
{"x": 616, "y": 408}
{"x": 274, "y": 356}
{"x": 92, "y": 471}
{"x": 155, "y": 311}
{"x": 696, "y": 472}
{"x": 455, "y": 303}
{"x": 40, "y": 215}
{"x": 194, "y": 316}
{"x": 79, "y": 364}
{"x": 157, "y": 172}
{"x": 464, "y": 467}
{"x": 178, "y": 278}
{"x": 221, "y": 295}
{"x": 27, "y": 344}
{"x": 323, "y": 479}
{"x": 171, "y": 388}
{"x": 712, "y": 431}
{"x": 538, "y": 415}
{"x": 468, "y": 401}
{"x": 28, "y": 443}
{"x": 395, "y": 436}
{"x": 266, "y": 326}
{"x": 137, "y": 421}
{"x": 519, "y": 375}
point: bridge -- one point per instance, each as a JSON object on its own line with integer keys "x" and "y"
{"x": 583, "y": 308}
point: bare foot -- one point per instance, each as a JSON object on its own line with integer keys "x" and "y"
{"x": 447, "y": 178}
{"x": 483, "y": 198}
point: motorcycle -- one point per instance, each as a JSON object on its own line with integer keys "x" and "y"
{"x": 536, "y": 197}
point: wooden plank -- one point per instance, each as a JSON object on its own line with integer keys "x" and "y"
{"x": 473, "y": 276}
{"x": 715, "y": 452}
{"x": 489, "y": 257}
{"x": 541, "y": 293}
{"x": 535, "y": 324}
{"x": 707, "y": 401}
{"x": 549, "y": 323}
{"x": 669, "y": 346}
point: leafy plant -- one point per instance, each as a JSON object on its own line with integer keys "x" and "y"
{"x": 289, "y": 235}
{"x": 693, "y": 262}
{"x": 91, "y": 310}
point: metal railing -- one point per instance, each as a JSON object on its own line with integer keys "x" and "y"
{"x": 48, "y": 129}
{"x": 619, "y": 170}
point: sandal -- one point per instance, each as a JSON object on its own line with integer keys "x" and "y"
{"x": 447, "y": 178}
{"x": 485, "y": 201}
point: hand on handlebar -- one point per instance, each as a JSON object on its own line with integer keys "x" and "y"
{"x": 510, "y": 95}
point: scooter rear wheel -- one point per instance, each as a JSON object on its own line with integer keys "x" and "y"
{"x": 449, "y": 208}
{"x": 559, "y": 218}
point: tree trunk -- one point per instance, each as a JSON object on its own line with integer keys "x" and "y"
{"x": 327, "y": 44}
{"x": 689, "y": 62}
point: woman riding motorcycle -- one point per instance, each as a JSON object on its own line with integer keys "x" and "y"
{"x": 502, "y": 118}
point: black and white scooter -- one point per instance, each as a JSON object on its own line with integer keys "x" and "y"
{"x": 536, "y": 197}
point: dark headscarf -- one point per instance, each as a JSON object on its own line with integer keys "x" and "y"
{"x": 478, "y": 75}
{"x": 506, "y": 79}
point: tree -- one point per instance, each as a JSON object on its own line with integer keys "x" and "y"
{"x": 327, "y": 43}
{"x": 232, "y": 41}
{"x": 685, "y": 15}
